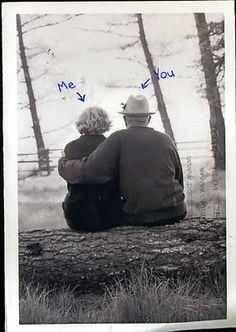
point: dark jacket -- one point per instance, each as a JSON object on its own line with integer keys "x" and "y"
{"x": 150, "y": 173}
{"x": 90, "y": 207}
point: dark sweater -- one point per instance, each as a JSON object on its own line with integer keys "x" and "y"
{"x": 77, "y": 149}
{"x": 150, "y": 172}
{"x": 90, "y": 207}
{"x": 83, "y": 146}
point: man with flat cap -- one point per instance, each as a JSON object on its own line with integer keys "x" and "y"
{"x": 148, "y": 166}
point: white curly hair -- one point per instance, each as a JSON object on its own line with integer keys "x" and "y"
{"x": 93, "y": 120}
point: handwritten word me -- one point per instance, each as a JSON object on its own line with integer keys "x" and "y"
{"x": 70, "y": 85}
{"x": 159, "y": 75}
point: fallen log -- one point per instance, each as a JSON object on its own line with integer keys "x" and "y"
{"x": 89, "y": 261}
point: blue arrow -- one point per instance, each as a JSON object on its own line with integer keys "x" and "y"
{"x": 144, "y": 85}
{"x": 81, "y": 98}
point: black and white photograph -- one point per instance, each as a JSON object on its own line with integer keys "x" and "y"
{"x": 121, "y": 164}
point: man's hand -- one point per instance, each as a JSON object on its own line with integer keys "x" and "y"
{"x": 70, "y": 170}
{"x": 99, "y": 167}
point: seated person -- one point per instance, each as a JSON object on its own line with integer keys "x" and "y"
{"x": 91, "y": 207}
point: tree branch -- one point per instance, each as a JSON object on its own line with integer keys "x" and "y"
{"x": 50, "y": 24}
{"x": 33, "y": 20}
{"x": 131, "y": 59}
{"x": 40, "y": 75}
{"x": 60, "y": 128}
{"x": 51, "y": 130}
{"x": 129, "y": 44}
{"x": 220, "y": 79}
{"x": 190, "y": 36}
{"x": 106, "y": 31}
{"x": 22, "y": 106}
{"x": 122, "y": 24}
{"x": 113, "y": 85}
{"x": 31, "y": 56}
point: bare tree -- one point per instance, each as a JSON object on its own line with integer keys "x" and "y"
{"x": 42, "y": 152}
{"x": 141, "y": 38}
{"x": 22, "y": 29}
{"x": 157, "y": 89}
{"x": 217, "y": 125}
{"x": 217, "y": 40}
{"x": 216, "y": 33}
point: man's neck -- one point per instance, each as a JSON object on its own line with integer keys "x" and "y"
{"x": 136, "y": 125}
{"x": 93, "y": 134}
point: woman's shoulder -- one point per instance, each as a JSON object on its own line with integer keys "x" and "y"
{"x": 73, "y": 143}
{"x": 83, "y": 146}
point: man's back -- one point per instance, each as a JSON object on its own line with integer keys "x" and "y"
{"x": 150, "y": 172}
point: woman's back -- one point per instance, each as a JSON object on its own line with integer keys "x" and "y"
{"x": 79, "y": 148}
{"x": 90, "y": 207}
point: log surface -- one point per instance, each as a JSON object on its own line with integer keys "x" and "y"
{"x": 91, "y": 260}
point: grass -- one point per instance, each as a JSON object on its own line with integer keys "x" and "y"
{"x": 38, "y": 215}
{"x": 140, "y": 299}
{"x": 39, "y": 202}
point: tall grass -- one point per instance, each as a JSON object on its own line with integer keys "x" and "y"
{"x": 140, "y": 299}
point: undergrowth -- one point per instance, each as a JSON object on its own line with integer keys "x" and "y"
{"x": 140, "y": 299}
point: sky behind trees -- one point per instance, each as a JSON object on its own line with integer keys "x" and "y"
{"x": 81, "y": 51}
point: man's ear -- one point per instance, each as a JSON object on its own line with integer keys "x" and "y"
{"x": 149, "y": 118}
{"x": 125, "y": 120}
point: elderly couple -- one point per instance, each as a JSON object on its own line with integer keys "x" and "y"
{"x": 133, "y": 177}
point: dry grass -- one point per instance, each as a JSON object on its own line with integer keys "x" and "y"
{"x": 141, "y": 299}
{"x": 39, "y": 202}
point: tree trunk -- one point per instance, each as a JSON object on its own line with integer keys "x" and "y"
{"x": 217, "y": 124}
{"x": 42, "y": 153}
{"x": 91, "y": 260}
{"x": 159, "y": 97}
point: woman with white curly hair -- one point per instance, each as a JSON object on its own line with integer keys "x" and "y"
{"x": 90, "y": 207}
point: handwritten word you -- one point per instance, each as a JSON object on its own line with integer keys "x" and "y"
{"x": 159, "y": 75}
{"x": 70, "y": 85}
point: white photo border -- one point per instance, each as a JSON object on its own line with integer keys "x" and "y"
{"x": 9, "y": 11}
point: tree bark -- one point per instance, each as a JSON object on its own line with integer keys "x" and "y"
{"x": 217, "y": 125}
{"x": 157, "y": 89}
{"x": 42, "y": 153}
{"x": 90, "y": 261}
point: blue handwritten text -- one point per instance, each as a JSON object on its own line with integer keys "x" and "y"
{"x": 159, "y": 75}
{"x": 70, "y": 85}
{"x": 163, "y": 74}
{"x": 63, "y": 84}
